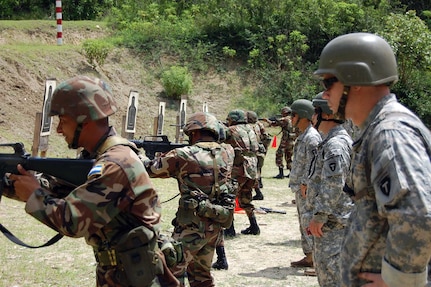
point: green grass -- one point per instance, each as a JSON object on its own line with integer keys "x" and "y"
{"x": 41, "y": 24}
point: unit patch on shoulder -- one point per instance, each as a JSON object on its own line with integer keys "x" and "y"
{"x": 96, "y": 170}
{"x": 385, "y": 185}
{"x": 332, "y": 166}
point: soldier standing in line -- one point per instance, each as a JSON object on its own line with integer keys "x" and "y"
{"x": 264, "y": 140}
{"x": 329, "y": 206}
{"x": 289, "y": 134}
{"x": 243, "y": 139}
{"x": 203, "y": 171}
{"x": 388, "y": 239}
{"x": 306, "y": 143}
{"x": 117, "y": 207}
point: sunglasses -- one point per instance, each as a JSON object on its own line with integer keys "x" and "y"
{"x": 329, "y": 82}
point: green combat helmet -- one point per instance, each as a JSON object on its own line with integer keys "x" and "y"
{"x": 251, "y": 117}
{"x": 84, "y": 99}
{"x": 359, "y": 59}
{"x": 303, "y": 108}
{"x": 320, "y": 102}
{"x": 203, "y": 121}
{"x": 237, "y": 117}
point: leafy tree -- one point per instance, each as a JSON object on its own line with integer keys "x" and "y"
{"x": 410, "y": 39}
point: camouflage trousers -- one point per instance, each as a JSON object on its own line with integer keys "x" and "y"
{"x": 284, "y": 151}
{"x": 306, "y": 239}
{"x": 245, "y": 195}
{"x": 106, "y": 277}
{"x": 326, "y": 257}
{"x": 198, "y": 253}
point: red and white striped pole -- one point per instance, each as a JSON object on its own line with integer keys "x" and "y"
{"x": 59, "y": 17}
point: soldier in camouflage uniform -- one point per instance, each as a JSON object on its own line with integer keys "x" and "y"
{"x": 285, "y": 148}
{"x": 243, "y": 139}
{"x": 309, "y": 138}
{"x": 329, "y": 206}
{"x": 388, "y": 242}
{"x": 118, "y": 196}
{"x": 263, "y": 139}
{"x": 203, "y": 171}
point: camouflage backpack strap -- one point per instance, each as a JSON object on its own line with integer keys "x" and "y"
{"x": 213, "y": 147}
{"x": 113, "y": 141}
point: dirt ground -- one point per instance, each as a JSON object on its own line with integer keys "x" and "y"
{"x": 264, "y": 260}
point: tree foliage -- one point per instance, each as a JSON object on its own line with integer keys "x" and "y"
{"x": 275, "y": 43}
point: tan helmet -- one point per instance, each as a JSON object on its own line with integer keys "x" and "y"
{"x": 203, "y": 121}
{"x": 83, "y": 98}
{"x": 359, "y": 59}
{"x": 251, "y": 117}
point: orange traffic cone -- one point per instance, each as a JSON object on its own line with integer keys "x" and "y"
{"x": 274, "y": 142}
{"x": 237, "y": 208}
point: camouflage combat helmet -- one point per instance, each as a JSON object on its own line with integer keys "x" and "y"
{"x": 84, "y": 99}
{"x": 286, "y": 111}
{"x": 237, "y": 117}
{"x": 251, "y": 117}
{"x": 359, "y": 59}
{"x": 203, "y": 121}
{"x": 320, "y": 102}
{"x": 303, "y": 108}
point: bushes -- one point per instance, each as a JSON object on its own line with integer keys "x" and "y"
{"x": 96, "y": 51}
{"x": 177, "y": 81}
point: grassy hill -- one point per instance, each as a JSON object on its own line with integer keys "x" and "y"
{"x": 29, "y": 55}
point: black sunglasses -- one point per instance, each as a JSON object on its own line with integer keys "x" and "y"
{"x": 329, "y": 82}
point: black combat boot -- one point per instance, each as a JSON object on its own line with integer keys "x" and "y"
{"x": 230, "y": 232}
{"x": 260, "y": 182}
{"x": 253, "y": 229}
{"x": 259, "y": 195}
{"x": 280, "y": 173}
{"x": 221, "y": 263}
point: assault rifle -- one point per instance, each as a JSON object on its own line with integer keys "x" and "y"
{"x": 155, "y": 144}
{"x": 71, "y": 171}
{"x": 272, "y": 119}
{"x": 270, "y": 210}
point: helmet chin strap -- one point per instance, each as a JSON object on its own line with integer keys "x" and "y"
{"x": 76, "y": 136}
{"x": 341, "y": 112}
{"x": 320, "y": 119}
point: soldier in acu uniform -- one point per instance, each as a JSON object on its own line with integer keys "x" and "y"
{"x": 203, "y": 171}
{"x": 117, "y": 209}
{"x": 388, "y": 241}
{"x": 306, "y": 143}
{"x": 328, "y": 206}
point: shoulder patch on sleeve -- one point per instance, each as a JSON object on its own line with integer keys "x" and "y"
{"x": 96, "y": 170}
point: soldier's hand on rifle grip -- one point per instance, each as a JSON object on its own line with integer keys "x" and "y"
{"x": 24, "y": 184}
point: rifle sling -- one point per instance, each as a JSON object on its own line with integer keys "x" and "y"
{"x": 16, "y": 240}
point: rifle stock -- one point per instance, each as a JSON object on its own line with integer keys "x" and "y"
{"x": 72, "y": 171}
{"x": 155, "y": 144}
